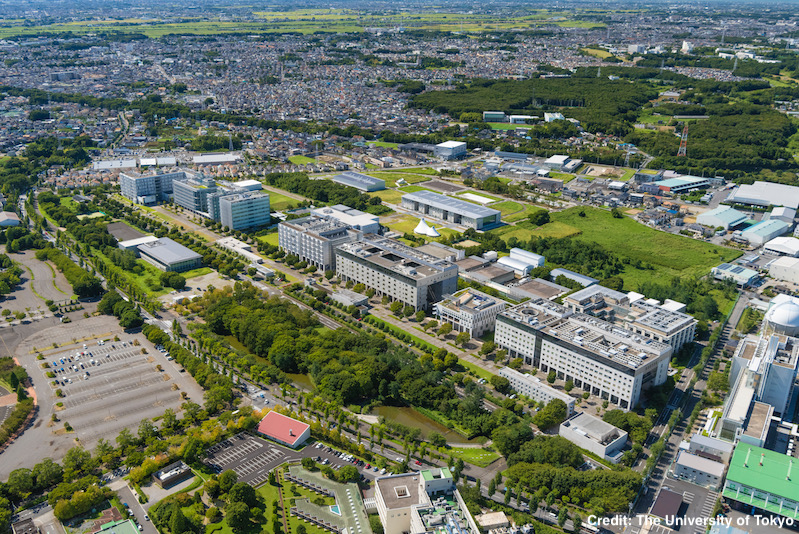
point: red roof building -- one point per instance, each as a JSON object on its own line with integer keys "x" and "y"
{"x": 284, "y": 429}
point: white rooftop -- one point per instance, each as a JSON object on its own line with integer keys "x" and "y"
{"x": 784, "y": 245}
{"x": 557, "y": 160}
{"x": 451, "y": 144}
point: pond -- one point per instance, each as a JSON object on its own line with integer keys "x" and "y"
{"x": 412, "y": 418}
{"x": 301, "y": 380}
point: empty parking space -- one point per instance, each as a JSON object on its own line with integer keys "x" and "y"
{"x": 249, "y": 457}
{"x": 109, "y": 385}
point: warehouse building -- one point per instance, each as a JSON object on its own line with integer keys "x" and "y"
{"x": 360, "y": 181}
{"x": 249, "y": 185}
{"x": 314, "y": 239}
{"x": 782, "y": 246}
{"x": 761, "y": 480}
{"x": 681, "y": 184}
{"x": 594, "y": 435}
{"x": 537, "y": 260}
{"x": 397, "y": 271}
{"x": 284, "y": 429}
{"x": 742, "y": 276}
{"x": 665, "y": 322}
{"x": 191, "y": 192}
{"x": 520, "y": 268}
{"x": 168, "y": 255}
{"x": 469, "y": 311}
{"x": 9, "y": 219}
{"x": 450, "y": 209}
{"x": 785, "y": 269}
{"x": 765, "y": 194}
{"x": 723, "y": 216}
{"x": 450, "y": 150}
{"x": 758, "y": 234}
{"x": 239, "y": 210}
{"x": 603, "y": 359}
{"x": 699, "y": 470}
{"x": 781, "y": 213}
{"x": 581, "y": 279}
{"x": 215, "y": 159}
{"x": 149, "y": 188}
{"x": 536, "y": 389}
{"x": 562, "y": 163}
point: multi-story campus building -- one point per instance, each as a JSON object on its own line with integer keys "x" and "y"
{"x": 240, "y": 209}
{"x": 148, "y": 188}
{"x": 469, "y": 311}
{"x": 192, "y": 192}
{"x": 422, "y": 503}
{"x": 314, "y": 239}
{"x": 536, "y": 389}
{"x": 665, "y": 323}
{"x": 398, "y": 271}
{"x": 606, "y": 360}
{"x": 450, "y": 209}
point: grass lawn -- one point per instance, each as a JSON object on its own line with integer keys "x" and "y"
{"x": 413, "y": 188}
{"x": 671, "y": 255}
{"x": 566, "y": 177}
{"x": 383, "y": 144}
{"x": 475, "y": 456}
{"x": 506, "y": 126}
{"x": 525, "y": 230}
{"x": 629, "y": 173}
{"x": 597, "y": 52}
{"x": 407, "y": 224}
{"x": 389, "y": 196}
{"x": 269, "y": 238}
{"x": 68, "y": 202}
{"x": 279, "y": 202}
{"x": 476, "y": 369}
{"x": 194, "y": 273}
{"x": 528, "y": 210}
{"x": 301, "y": 160}
{"x": 419, "y": 170}
{"x": 507, "y": 207}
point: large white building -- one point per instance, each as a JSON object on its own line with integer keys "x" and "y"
{"x": 765, "y": 194}
{"x": 646, "y": 317}
{"x": 594, "y": 435}
{"x": 450, "y": 150}
{"x": 450, "y": 209}
{"x": 192, "y": 192}
{"x": 723, "y": 216}
{"x": 470, "y": 311}
{"x": 422, "y": 503}
{"x": 782, "y": 246}
{"x": 365, "y": 222}
{"x": 536, "y": 389}
{"x": 314, "y": 239}
{"x": 396, "y": 270}
{"x": 606, "y": 360}
{"x": 148, "y": 188}
{"x": 239, "y": 210}
{"x": 764, "y": 231}
{"x": 785, "y": 268}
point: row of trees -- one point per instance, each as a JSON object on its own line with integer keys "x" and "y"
{"x": 83, "y": 283}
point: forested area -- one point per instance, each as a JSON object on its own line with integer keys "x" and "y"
{"x": 9, "y": 275}
{"x": 745, "y": 139}
{"x": 350, "y": 368}
{"x": 600, "y": 104}
{"x": 325, "y": 191}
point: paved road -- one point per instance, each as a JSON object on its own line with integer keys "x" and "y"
{"x": 138, "y": 511}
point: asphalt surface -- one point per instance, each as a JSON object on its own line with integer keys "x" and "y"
{"x": 127, "y": 496}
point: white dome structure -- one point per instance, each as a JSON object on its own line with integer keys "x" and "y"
{"x": 783, "y": 317}
{"x": 425, "y": 229}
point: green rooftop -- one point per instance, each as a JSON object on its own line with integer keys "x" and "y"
{"x": 124, "y": 526}
{"x": 427, "y": 475}
{"x": 767, "y": 471}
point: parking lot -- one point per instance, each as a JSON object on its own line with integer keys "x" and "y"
{"x": 251, "y": 458}
{"x": 107, "y": 385}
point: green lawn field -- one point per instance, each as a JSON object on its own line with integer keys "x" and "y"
{"x": 391, "y": 177}
{"x": 528, "y": 209}
{"x": 269, "y": 238}
{"x": 301, "y": 160}
{"x": 279, "y": 202}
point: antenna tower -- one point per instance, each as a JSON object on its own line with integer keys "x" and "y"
{"x": 683, "y": 151}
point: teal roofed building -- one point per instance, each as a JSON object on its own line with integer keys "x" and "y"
{"x": 765, "y": 231}
{"x": 764, "y": 480}
{"x": 723, "y": 216}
